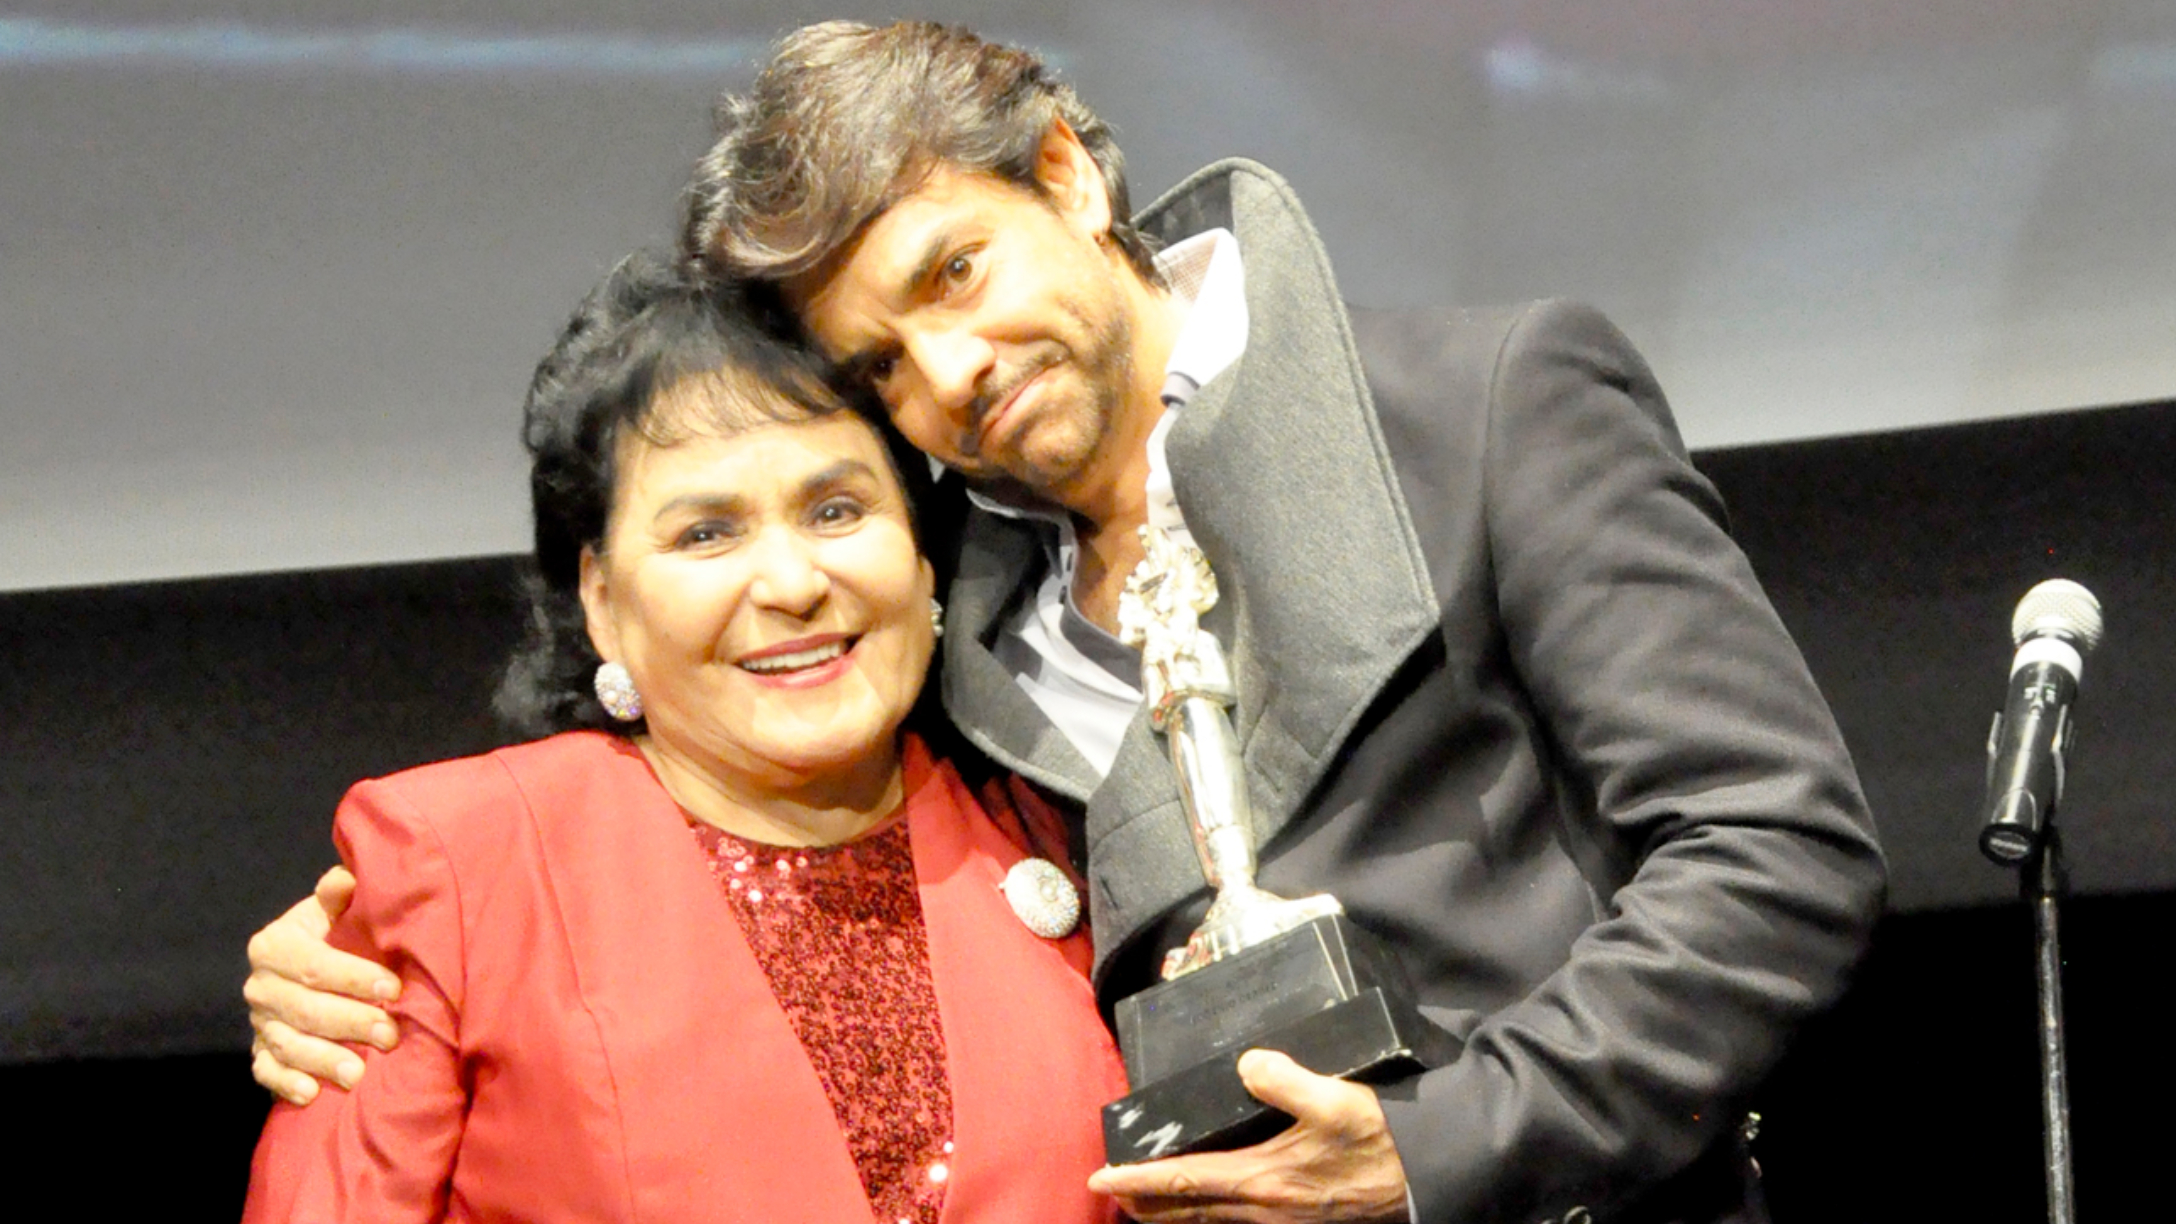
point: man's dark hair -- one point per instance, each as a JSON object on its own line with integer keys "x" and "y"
{"x": 659, "y": 353}
{"x": 848, "y": 119}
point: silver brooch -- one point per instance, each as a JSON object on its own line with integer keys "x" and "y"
{"x": 1046, "y": 902}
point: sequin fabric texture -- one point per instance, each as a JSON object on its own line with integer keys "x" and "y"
{"x": 838, "y": 931}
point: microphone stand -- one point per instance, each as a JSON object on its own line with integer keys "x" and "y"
{"x": 2055, "y": 626}
{"x": 2041, "y": 879}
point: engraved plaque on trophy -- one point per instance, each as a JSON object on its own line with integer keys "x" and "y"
{"x": 1261, "y": 972}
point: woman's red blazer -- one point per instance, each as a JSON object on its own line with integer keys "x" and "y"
{"x": 586, "y": 1036}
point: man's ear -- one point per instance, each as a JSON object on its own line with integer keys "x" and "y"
{"x": 597, "y": 607}
{"x": 1073, "y": 181}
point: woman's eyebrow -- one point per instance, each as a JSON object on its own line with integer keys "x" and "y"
{"x": 836, "y": 474}
{"x": 710, "y": 503}
{"x": 732, "y": 502}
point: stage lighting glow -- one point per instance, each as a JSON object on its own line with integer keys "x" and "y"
{"x": 33, "y": 41}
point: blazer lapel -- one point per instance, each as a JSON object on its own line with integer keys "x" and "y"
{"x": 1022, "y": 1036}
{"x": 1284, "y": 478}
{"x": 997, "y": 558}
{"x": 714, "y": 1090}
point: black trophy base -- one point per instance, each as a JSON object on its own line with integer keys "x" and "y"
{"x": 1325, "y": 993}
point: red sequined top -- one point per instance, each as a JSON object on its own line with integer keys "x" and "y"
{"x": 838, "y": 931}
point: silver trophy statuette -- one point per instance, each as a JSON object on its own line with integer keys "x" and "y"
{"x": 1296, "y": 976}
{"x": 1190, "y": 693}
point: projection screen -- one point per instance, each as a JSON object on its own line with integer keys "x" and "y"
{"x": 272, "y": 275}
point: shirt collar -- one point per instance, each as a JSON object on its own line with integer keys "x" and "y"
{"x": 1209, "y": 282}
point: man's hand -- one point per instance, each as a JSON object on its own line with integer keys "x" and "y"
{"x": 1335, "y": 1162}
{"x": 295, "y": 990}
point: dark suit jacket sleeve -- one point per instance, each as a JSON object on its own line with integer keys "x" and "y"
{"x": 1706, "y": 784}
{"x": 385, "y": 1151}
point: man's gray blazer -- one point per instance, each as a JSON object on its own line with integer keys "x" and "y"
{"x": 1510, "y": 692}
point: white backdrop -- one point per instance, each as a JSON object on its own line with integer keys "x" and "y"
{"x": 271, "y": 280}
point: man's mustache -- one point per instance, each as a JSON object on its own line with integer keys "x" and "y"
{"x": 995, "y": 392}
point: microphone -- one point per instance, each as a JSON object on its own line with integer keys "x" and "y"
{"x": 2056, "y": 625}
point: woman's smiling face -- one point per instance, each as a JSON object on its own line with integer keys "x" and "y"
{"x": 765, "y": 592}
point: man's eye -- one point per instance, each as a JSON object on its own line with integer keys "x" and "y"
{"x": 880, "y": 370}
{"x": 959, "y": 268}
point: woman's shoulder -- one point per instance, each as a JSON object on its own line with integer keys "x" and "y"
{"x": 513, "y": 811}
{"x": 559, "y": 771}
{"x": 556, "y": 756}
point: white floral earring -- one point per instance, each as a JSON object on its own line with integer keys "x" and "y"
{"x": 936, "y": 617}
{"x": 616, "y": 692}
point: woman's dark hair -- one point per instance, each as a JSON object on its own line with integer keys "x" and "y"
{"x": 651, "y": 330}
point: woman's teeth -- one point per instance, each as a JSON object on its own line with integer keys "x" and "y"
{"x": 795, "y": 661}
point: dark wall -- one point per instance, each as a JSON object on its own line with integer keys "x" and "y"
{"x": 1918, "y": 1099}
{"x": 1896, "y": 559}
{"x": 169, "y": 771}
{"x": 174, "y": 752}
